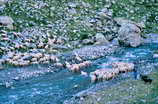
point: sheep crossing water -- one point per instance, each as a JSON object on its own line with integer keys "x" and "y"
{"x": 107, "y": 74}
{"x": 102, "y": 74}
{"x": 77, "y": 67}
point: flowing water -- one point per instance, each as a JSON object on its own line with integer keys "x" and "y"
{"x": 54, "y": 88}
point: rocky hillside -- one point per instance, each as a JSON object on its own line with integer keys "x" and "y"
{"x": 50, "y": 27}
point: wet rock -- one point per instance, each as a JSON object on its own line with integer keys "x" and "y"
{"x": 129, "y": 35}
{"x": 100, "y": 39}
{"x": 151, "y": 38}
{"x": 6, "y": 21}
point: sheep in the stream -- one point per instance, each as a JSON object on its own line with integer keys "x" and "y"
{"x": 107, "y": 74}
{"x": 77, "y": 67}
{"x": 103, "y": 74}
{"x": 123, "y": 67}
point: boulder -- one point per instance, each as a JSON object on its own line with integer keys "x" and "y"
{"x": 100, "y": 39}
{"x": 6, "y": 21}
{"x": 2, "y": 2}
{"x": 129, "y": 35}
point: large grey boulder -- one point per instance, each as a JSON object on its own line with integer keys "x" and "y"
{"x": 6, "y": 21}
{"x": 129, "y": 34}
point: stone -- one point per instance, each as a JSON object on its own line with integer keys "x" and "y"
{"x": 129, "y": 35}
{"x": 122, "y": 21}
{"x": 6, "y": 21}
{"x": 2, "y": 2}
{"x": 87, "y": 41}
{"x": 100, "y": 39}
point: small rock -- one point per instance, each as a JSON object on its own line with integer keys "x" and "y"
{"x": 6, "y": 21}
{"x": 87, "y": 41}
